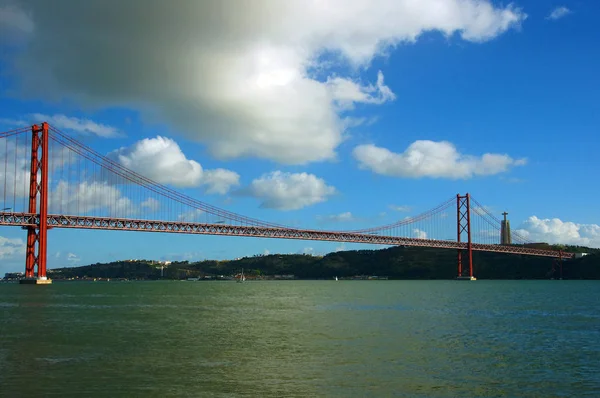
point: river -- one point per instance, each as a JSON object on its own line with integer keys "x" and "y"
{"x": 301, "y": 339}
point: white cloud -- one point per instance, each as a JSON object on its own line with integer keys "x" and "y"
{"x": 345, "y": 93}
{"x": 402, "y": 209}
{"x": 351, "y": 121}
{"x": 342, "y": 217}
{"x": 70, "y": 258}
{"x": 287, "y": 191}
{"x": 558, "y": 13}
{"x": 82, "y": 126}
{"x": 557, "y": 231}
{"x": 238, "y": 76}
{"x": 15, "y": 170}
{"x": 150, "y": 204}
{"x": 419, "y": 234}
{"x": 73, "y": 258}
{"x": 193, "y": 215}
{"x": 15, "y": 159}
{"x": 162, "y": 160}
{"x": 11, "y": 247}
{"x": 220, "y": 180}
{"x": 84, "y": 197}
{"x": 431, "y": 159}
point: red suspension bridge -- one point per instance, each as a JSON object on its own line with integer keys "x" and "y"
{"x": 51, "y": 180}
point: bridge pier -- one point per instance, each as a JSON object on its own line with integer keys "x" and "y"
{"x": 36, "y": 281}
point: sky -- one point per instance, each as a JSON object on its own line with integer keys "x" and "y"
{"x": 328, "y": 114}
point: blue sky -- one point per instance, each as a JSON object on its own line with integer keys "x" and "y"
{"x": 297, "y": 122}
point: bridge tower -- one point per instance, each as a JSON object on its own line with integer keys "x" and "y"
{"x": 37, "y": 236}
{"x": 463, "y": 225}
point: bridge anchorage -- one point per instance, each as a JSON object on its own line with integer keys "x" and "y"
{"x": 54, "y": 181}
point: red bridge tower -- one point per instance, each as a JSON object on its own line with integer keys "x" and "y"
{"x": 37, "y": 237}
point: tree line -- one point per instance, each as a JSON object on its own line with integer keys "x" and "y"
{"x": 394, "y": 263}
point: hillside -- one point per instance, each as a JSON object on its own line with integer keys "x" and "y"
{"x": 395, "y": 263}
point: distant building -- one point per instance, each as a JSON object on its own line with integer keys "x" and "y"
{"x": 505, "y": 238}
{"x": 14, "y": 275}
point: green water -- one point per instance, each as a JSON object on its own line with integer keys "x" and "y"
{"x": 301, "y": 339}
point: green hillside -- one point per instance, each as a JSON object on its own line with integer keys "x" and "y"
{"x": 395, "y": 263}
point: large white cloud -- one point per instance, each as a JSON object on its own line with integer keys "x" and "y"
{"x": 220, "y": 181}
{"x": 431, "y": 159}
{"x": 248, "y": 78}
{"x": 289, "y": 191}
{"x": 85, "y": 197}
{"x": 557, "y": 231}
{"x": 162, "y": 160}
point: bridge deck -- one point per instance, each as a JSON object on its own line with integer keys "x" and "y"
{"x": 126, "y": 224}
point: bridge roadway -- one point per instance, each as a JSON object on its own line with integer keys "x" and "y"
{"x": 180, "y": 227}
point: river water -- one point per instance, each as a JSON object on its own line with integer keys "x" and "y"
{"x": 301, "y": 339}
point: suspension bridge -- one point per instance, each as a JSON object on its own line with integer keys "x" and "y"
{"x": 50, "y": 180}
